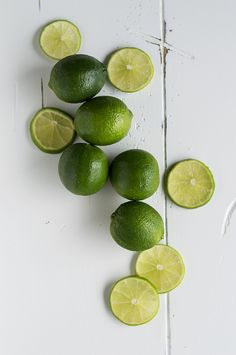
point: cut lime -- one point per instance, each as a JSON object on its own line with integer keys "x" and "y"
{"x": 134, "y": 301}
{"x": 130, "y": 69}
{"x": 163, "y": 266}
{"x": 60, "y": 39}
{"x": 52, "y": 130}
{"x": 190, "y": 184}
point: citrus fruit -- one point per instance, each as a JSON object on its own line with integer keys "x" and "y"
{"x": 103, "y": 120}
{"x": 52, "y": 130}
{"x": 136, "y": 226}
{"x": 59, "y": 39}
{"x": 77, "y": 78}
{"x": 83, "y": 169}
{"x": 130, "y": 69}
{"x": 190, "y": 183}
{"x": 134, "y": 301}
{"x": 134, "y": 174}
{"x": 163, "y": 266}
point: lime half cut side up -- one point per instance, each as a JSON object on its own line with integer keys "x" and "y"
{"x": 60, "y": 39}
{"x": 190, "y": 183}
{"x": 163, "y": 266}
{"x": 52, "y": 130}
{"x": 130, "y": 69}
{"x": 134, "y": 301}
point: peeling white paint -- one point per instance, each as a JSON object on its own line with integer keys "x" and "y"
{"x": 228, "y": 217}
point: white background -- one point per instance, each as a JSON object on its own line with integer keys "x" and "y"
{"x": 57, "y": 259}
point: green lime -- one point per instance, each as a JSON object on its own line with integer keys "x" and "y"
{"x": 163, "y": 266}
{"x": 59, "y": 39}
{"x": 134, "y": 301}
{"x": 134, "y": 174}
{"x": 190, "y": 184}
{"x": 52, "y": 130}
{"x": 83, "y": 169}
{"x": 136, "y": 226}
{"x": 103, "y": 120}
{"x": 130, "y": 69}
{"x": 77, "y": 78}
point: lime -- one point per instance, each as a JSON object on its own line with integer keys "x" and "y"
{"x": 136, "y": 226}
{"x": 163, "y": 266}
{"x": 103, "y": 120}
{"x": 130, "y": 69}
{"x": 77, "y": 78}
{"x": 52, "y": 130}
{"x": 59, "y": 39}
{"x": 134, "y": 174}
{"x": 190, "y": 183}
{"x": 83, "y": 169}
{"x": 134, "y": 301}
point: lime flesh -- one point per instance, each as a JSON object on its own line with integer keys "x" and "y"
{"x": 134, "y": 301}
{"x": 130, "y": 69}
{"x": 190, "y": 183}
{"x": 52, "y": 130}
{"x": 163, "y": 266}
{"x": 60, "y": 39}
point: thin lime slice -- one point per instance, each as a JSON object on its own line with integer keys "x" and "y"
{"x": 134, "y": 301}
{"x": 52, "y": 130}
{"x": 190, "y": 184}
{"x": 163, "y": 266}
{"x": 60, "y": 39}
{"x": 130, "y": 69}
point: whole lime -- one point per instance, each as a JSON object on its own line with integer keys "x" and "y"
{"x": 134, "y": 174}
{"x": 77, "y": 78}
{"x": 103, "y": 120}
{"x": 83, "y": 169}
{"x": 136, "y": 226}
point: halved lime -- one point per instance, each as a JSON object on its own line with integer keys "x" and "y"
{"x": 130, "y": 69}
{"x": 59, "y": 39}
{"x": 52, "y": 130}
{"x": 190, "y": 183}
{"x": 163, "y": 266}
{"x": 134, "y": 301}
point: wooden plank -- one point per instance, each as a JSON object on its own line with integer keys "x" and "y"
{"x": 56, "y": 255}
{"x": 200, "y": 89}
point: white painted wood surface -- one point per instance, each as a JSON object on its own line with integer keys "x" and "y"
{"x": 57, "y": 260}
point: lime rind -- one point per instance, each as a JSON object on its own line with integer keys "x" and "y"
{"x": 62, "y": 48}
{"x": 36, "y": 139}
{"x": 154, "y": 293}
{"x": 123, "y": 78}
{"x": 153, "y": 274}
{"x": 211, "y": 180}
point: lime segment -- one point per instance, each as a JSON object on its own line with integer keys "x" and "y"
{"x": 130, "y": 69}
{"x": 60, "y": 39}
{"x": 52, "y": 130}
{"x": 190, "y": 184}
{"x": 134, "y": 301}
{"x": 162, "y": 266}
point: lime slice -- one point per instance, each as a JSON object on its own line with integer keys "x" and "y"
{"x": 130, "y": 69}
{"x": 134, "y": 301}
{"x": 60, "y": 39}
{"x": 163, "y": 266}
{"x": 190, "y": 184}
{"x": 52, "y": 130}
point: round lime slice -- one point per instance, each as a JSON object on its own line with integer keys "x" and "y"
{"x": 60, "y": 39}
{"x": 134, "y": 301}
{"x": 130, "y": 69}
{"x": 52, "y": 130}
{"x": 190, "y": 184}
{"x": 163, "y": 266}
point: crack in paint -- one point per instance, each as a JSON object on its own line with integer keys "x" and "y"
{"x": 156, "y": 41}
{"x": 39, "y": 5}
{"x": 42, "y": 92}
{"x": 228, "y": 217}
